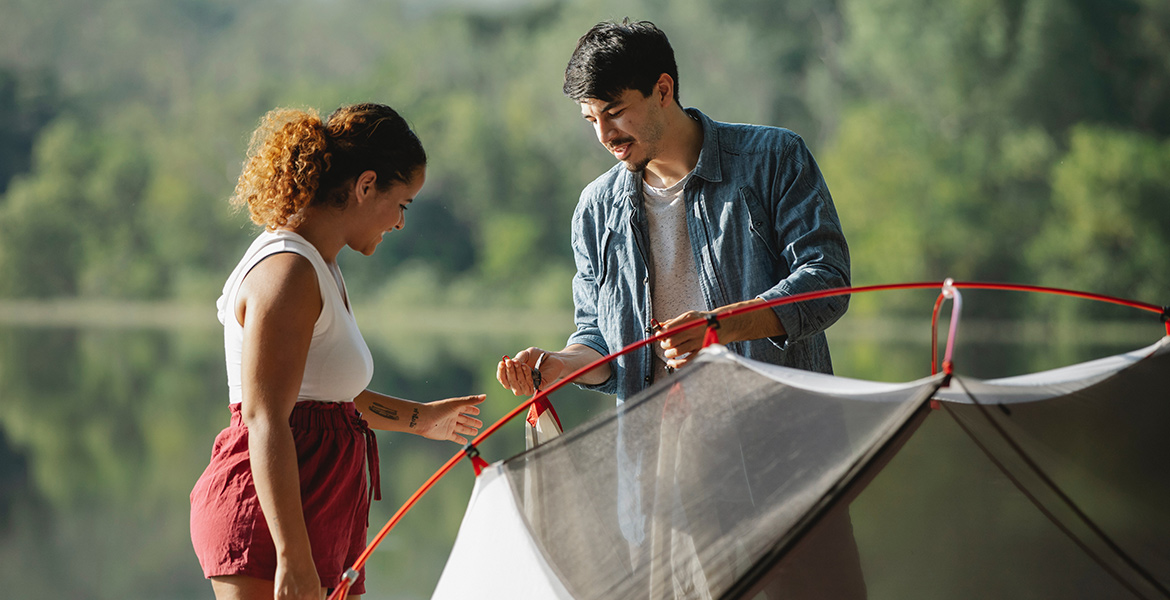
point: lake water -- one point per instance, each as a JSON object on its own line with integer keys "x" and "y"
{"x": 104, "y": 429}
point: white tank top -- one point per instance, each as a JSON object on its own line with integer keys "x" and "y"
{"x": 339, "y": 364}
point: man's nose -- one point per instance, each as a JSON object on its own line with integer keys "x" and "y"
{"x": 605, "y": 131}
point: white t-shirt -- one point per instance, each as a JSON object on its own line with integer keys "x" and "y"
{"x": 339, "y": 365}
{"x": 675, "y": 279}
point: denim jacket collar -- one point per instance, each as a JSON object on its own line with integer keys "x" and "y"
{"x": 708, "y": 167}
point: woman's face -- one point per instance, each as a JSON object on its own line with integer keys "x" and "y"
{"x": 383, "y": 211}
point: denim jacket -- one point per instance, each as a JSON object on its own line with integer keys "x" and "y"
{"x": 761, "y": 224}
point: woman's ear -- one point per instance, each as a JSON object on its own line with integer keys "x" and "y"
{"x": 365, "y": 185}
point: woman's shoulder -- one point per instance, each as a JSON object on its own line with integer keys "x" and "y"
{"x": 277, "y": 263}
{"x": 284, "y": 286}
{"x": 283, "y": 240}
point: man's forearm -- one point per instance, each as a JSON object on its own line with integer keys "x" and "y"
{"x": 576, "y": 356}
{"x": 751, "y": 325}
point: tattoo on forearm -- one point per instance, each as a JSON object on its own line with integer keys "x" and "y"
{"x": 414, "y": 418}
{"x": 383, "y": 411}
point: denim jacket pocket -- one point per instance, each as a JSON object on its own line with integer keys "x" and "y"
{"x": 604, "y": 260}
{"x": 759, "y": 221}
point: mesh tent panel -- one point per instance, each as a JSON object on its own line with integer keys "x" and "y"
{"x": 943, "y": 521}
{"x": 1093, "y": 459}
{"x": 683, "y": 489}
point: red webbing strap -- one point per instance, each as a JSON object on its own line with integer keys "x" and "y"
{"x": 539, "y": 407}
{"x": 712, "y": 336}
{"x": 477, "y": 462}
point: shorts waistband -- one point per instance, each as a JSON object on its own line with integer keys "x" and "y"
{"x": 312, "y": 414}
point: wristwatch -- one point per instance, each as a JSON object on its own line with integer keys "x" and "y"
{"x": 536, "y": 378}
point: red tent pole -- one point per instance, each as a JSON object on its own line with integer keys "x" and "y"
{"x": 471, "y": 451}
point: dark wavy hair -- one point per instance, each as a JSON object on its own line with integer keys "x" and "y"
{"x": 296, "y": 160}
{"x": 614, "y": 57}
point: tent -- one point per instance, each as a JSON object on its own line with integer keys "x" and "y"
{"x": 738, "y": 479}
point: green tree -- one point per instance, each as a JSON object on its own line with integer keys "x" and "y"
{"x": 1109, "y": 228}
{"x": 949, "y": 153}
{"x": 65, "y": 227}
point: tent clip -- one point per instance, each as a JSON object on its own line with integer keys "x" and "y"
{"x": 712, "y": 321}
{"x": 1166, "y": 314}
{"x": 470, "y": 451}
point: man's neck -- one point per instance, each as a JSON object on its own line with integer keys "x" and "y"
{"x": 680, "y": 150}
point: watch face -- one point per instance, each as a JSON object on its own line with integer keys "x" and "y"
{"x": 536, "y": 379}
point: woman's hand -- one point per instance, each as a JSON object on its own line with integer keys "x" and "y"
{"x": 449, "y": 420}
{"x": 296, "y": 579}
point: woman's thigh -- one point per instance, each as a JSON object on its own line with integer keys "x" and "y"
{"x": 242, "y": 587}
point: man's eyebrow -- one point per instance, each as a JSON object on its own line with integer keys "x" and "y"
{"x": 605, "y": 108}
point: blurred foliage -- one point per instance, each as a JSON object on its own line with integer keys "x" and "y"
{"x": 947, "y": 133}
{"x": 1010, "y": 140}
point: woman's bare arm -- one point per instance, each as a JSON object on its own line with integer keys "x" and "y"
{"x": 278, "y": 304}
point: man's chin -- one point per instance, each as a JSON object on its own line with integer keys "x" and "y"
{"x": 636, "y": 167}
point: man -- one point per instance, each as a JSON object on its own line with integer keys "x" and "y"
{"x": 698, "y": 217}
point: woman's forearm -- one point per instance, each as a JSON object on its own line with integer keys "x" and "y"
{"x": 450, "y": 419}
{"x": 387, "y": 412}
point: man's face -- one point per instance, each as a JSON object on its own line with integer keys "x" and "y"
{"x": 630, "y": 127}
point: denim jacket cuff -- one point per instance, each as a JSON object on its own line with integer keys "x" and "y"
{"x": 597, "y": 343}
{"x": 591, "y": 339}
{"x": 789, "y": 315}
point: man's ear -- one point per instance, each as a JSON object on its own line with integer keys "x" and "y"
{"x": 664, "y": 89}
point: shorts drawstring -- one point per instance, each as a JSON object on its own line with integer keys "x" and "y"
{"x": 371, "y": 457}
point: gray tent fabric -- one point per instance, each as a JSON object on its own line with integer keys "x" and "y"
{"x": 744, "y": 480}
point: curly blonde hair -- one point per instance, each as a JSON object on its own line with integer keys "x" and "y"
{"x": 295, "y": 160}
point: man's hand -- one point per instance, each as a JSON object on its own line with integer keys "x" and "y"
{"x": 682, "y": 345}
{"x": 515, "y": 374}
{"x": 679, "y": 348}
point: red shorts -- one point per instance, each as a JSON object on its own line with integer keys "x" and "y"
{"x": 228, "y": 528}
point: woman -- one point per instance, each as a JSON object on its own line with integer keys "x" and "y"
{"x": 282, "y": 510}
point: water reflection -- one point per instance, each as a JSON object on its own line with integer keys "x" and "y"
{"x": 103, "y": 432}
